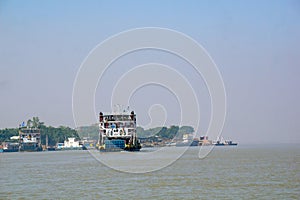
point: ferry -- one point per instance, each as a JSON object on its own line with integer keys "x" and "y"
{"x": 117, "y": 132}
{"x": 29, "y": 139}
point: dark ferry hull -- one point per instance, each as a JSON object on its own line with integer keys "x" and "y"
{"x": 221, "y": 144}
{"x": 30, "y": 148}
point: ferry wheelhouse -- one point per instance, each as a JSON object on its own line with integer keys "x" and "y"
{"x": 117, "y": 132}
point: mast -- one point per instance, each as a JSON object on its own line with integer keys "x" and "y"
{"x": 46, "y": 141}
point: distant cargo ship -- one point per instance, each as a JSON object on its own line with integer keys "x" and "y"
{"x": 226, "y": 143}
{"x": 204, "y": 141}
{"x": 222, "y": 142}
{"x": 117, "y": 132}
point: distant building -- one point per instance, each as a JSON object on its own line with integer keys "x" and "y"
{"x": 187, "y": 137}
{"x": 16, "y": 137}
{"x": 204, "y": 141}
{"x": 60, "y": 146}
{"x": 71, "y": 143}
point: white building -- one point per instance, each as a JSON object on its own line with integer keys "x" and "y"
{"x": 71, "y": 143}
{"x": 187, "y": 137}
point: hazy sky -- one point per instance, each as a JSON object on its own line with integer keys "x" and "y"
{"x": 255, "y": 45}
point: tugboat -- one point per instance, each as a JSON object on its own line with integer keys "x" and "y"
{"x": 29, "y": 139}
{"x": 10, "y": 147}
{"x": 117, "y": 132}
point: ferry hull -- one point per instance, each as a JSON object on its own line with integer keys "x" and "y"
{"x": 30, "y": 147}
{"x": 221, "y": 144}
{"x": 10, "y": 150}
{"x": 116, "y": 145}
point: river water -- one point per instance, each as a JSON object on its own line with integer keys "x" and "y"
{"x": 242, "y": 172}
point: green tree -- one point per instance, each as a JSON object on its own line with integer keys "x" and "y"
{"x": 163, "y": 132}
{"x": 36, "y": 122}
{"x": 91, "y": 131}
{"x": 6, "y": 133}
{"x": 184, "y": 130}
{"x": 55, "y": 135}
{"x": 29, "y": 123}
{"x": 172, "y": 131}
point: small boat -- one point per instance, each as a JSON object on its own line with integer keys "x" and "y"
{"x": 10, "y": 147}
{"x": 225, "y": 143}
{"x": 70, "y": 144}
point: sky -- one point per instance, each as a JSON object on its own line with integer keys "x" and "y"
{"x": 255, "y": 45}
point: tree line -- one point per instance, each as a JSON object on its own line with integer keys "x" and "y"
{"x": 92, "y": 131}
{"x": 55, "y": 134}
{"x": 59, "y": 134}
{"x": 165, "y": 132}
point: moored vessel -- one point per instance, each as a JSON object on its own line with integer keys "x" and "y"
{"x": 70, "y": 144}
{"x": 10, "y": 147}
{"x": 226, "y": 143}
{"x": 29, "y": 139}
